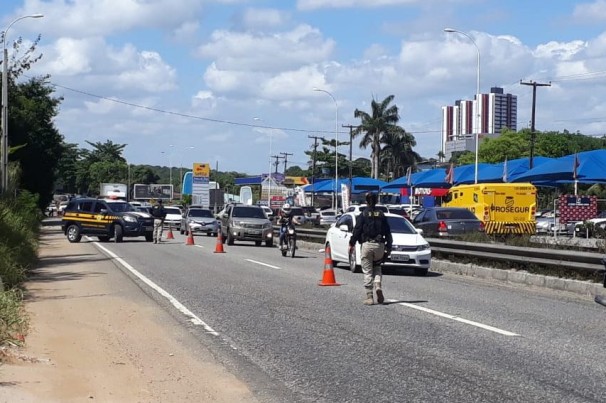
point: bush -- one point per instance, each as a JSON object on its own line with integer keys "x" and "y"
{"x": 14, "y": 322}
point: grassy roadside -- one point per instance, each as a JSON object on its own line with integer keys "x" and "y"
{"x": 19, "y": 229}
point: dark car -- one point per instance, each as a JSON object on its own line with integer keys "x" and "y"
{"x": 105, "y": 219}
{"x": 447, "y": 222}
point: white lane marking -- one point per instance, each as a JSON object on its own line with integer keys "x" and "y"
{"x": 199, "y": 246}
{"x": 458, "y": 319}
{"x": 263, "y": 264}
{"x": 193, "y": 318}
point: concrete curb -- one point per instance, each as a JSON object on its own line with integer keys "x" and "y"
{"x": 507, "y": 276}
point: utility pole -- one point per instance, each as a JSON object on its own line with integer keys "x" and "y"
{"x": 277, "y": 162}
{"x": 313, "y": 168}
{"x": 285, "y": 156}
{"x": 351, "y": 127}
{"x": 534, "y": 85}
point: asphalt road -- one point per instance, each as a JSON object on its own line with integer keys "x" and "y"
{"x": 440, "y": 337}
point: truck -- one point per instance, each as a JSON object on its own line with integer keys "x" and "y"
{"x": 504, "y": 208}
{"x": 114, "y": 191}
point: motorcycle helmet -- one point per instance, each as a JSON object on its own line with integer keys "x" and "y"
{"x": 286, "y": 208}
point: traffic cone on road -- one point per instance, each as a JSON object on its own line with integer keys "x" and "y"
{"x": 169, "y": 234}
{"x": 328, "y": 277}
{"x": 190, "y": 237}
{"x": 219, "y": 245}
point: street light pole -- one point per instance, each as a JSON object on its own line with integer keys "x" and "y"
{"x": 478, "y": 122}
{"x": 269, "y": 171}
{"x": 336, "y": 203}
{"x": 4, "y": 117}
{"x": 181, "y": 171}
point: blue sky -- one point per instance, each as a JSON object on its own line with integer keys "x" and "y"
{"x": 182, "y": 81}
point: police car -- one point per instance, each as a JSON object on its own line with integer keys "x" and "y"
{"x": 105, "y": 219}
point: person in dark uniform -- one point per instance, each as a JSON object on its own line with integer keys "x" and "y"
{"x": 159, "y": 213}
{"x": 373, "y": 233}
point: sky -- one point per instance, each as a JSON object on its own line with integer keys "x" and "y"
{"x": 231, "y": 82}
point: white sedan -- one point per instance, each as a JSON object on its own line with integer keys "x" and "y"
{"x": 409, "y": 249}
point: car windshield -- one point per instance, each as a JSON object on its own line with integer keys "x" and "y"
{"x": 120, "y": 207}
{"x": 458, "y": 214}
{"x": 297, "y": 211}
{"x": 248, "y": 212}
{"x": 200, "y": 213}
{"x": 172, "y": 210}
{"x": 400, "y": 225}
{"x": 328, "y": 213}
{"x": 378, "y": 208}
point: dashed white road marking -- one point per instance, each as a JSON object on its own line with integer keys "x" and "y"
{"x": 458, "y": 319}
{"x": 263, "y": 264}
{"x": 192, "y": 317}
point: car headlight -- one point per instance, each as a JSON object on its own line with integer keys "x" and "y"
{"x": 423, "y": 247}
{"x": 130, "y": 218}
{"x": 267, "y": 225}
{"x": 237, "y": 223}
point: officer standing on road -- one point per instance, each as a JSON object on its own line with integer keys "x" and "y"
{"x": 159, "y": 213}
{"x": 373, "y": 233}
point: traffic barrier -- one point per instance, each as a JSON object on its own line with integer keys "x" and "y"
{"x": 328, "y": 277}
{"x": 190, "y": 237}
{"x": 169, "y": 234}
{"x": 219, "y": 245}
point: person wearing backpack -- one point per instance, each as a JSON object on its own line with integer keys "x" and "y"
{"x": 159, "y": 213}
{"x": 373, "y": 232}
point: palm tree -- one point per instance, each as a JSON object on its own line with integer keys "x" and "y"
{"x": 397, "y": 153}
{"x": 382, "y": 119}
{"x": 108, "y": 151}
{"x": 441, "y": 156}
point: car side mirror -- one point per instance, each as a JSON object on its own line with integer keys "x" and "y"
{"x": 419, "y": 231}
{"x": 103, "y": 211}
{"x": 344, "y": 228}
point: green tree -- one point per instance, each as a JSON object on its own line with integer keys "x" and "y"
{"x": 397, "y": 153}
{"x": 34, "y": 142}
{"x": 108, "y": 151}
{"x": 382, "y": 119}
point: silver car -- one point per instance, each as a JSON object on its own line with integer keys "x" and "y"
{"x": 199, "y": 220}
{"x": 244, "y": 222}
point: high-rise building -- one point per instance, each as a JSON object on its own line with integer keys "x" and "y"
{"x": 487, "y": 116}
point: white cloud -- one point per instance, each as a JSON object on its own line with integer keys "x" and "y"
{"x": 587, "y": 12}
{"x": 262, "y": 19}
{"x": 318, "y": 4}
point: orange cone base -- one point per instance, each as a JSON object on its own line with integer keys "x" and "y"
{"x": 190, "y": 240}
{"x": 219, "y": 245}
{"x": 328, "y": 279}
{"x": 170, "y": 235}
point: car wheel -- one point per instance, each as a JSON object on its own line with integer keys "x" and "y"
{"x": 73, "y": 233}
{"x": 352, "y": 263}
{"x": 421, "y": 272}
{"x": 149, "y": 237}
{"x": 103, "y": 238}
{"x": 269, "y": 243}
{"x": 118, "y": 233}
{"x": 181, "y": 231}
{"x": 258, "y": 243}
{"x": 230, "y": 238}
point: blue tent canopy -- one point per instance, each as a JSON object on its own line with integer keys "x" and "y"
{"x": 591, "y": 169}
{"x": 359, "y": 185}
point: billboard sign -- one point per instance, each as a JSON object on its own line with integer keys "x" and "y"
{"x": 201, "y": 184}
{"x": 154, "y": 191}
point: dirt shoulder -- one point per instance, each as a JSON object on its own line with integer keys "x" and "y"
{"x": 95, "y": 335}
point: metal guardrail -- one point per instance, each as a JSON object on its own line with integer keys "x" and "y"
{"x": 590, "y": 262}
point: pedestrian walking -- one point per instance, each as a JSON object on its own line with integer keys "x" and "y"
{"x": 159, "y": 213}
{"x": 374, "y": 235}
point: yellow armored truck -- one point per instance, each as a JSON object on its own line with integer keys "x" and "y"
{"x": 504, "y": 208}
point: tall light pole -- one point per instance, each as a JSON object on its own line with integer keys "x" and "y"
{"x": 477, "y": 134}
{"x": 335, "y": 200}
{"x": 4, "y": 117}
{"x": 269, "y": 171}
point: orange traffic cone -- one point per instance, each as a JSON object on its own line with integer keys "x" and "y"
{"x": 190, "y": 237}
{"x": 328, "y": 278}
{"x": 169, "y": 234}
{"x": 219, "y": 245}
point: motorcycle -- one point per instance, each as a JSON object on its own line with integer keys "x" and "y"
{"x": 290, "y": 241}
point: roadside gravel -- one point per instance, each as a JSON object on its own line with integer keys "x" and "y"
{"x": 96, "y": 336}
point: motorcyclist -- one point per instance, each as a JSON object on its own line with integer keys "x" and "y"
{"x": 286, "y": 220}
